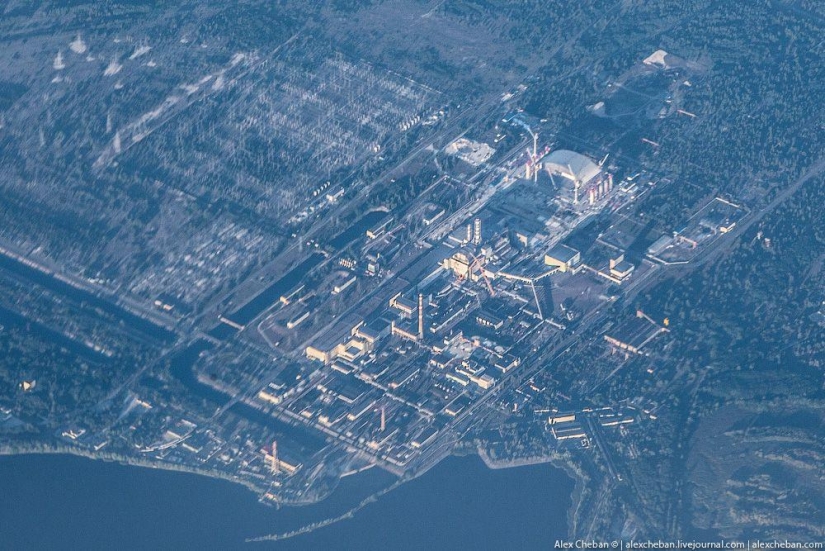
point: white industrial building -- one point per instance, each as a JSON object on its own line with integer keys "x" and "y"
{"x": 571, "y": 165}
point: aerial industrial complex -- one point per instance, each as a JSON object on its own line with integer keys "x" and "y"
{"x": 402, "y": 326}
{"x": 389, "y": 335}
{"x": 284, "y": 243}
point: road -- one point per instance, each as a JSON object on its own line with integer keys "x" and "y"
{"x": 541, "y": 358}
{"x": 462, "y": 123}
{"x": 815, "y": 170}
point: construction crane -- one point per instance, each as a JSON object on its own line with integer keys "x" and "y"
{"x": 532, "y": 169}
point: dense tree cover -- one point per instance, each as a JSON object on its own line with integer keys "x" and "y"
{"x": 751, "y": 310}
{"x": 754, "y": 78}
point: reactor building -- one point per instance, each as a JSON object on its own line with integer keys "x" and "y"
{"x": 581, "y": 179}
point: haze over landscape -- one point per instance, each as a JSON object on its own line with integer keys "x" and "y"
{"x": 524, "y": 274}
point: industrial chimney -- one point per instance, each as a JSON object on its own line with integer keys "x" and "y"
{"x": 421, "y": 317}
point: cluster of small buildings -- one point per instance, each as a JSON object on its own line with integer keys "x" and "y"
{"x": 471, "y": 152}
{"x": 444, "y": 330}
{"x": 444, "y": 326}
{"x": 632, "y": 335}
{"x": 718, "y": 217}
{"x": 570, "y": 425}
{"x": 392, "y": 379}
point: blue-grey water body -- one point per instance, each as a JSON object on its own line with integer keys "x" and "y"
{"x": 64, "y": 502}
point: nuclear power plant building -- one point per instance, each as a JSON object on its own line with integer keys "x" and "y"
{"x": 571, "y": 165}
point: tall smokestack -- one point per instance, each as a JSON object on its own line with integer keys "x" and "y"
{"x": 477, "y": 231}
{"x": 421, "y": 317}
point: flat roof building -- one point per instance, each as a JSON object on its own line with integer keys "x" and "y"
{"x": 379, "y": 228}
{"x": 403, "y": 304}
{"x": 563, "y": 257}
{"x": 634, "y": 334}
{"x": 621, "y": 268}
{"x": 568, "y": 431}
{"x": 562, "y": 417}
{"x": 660, "y": 245}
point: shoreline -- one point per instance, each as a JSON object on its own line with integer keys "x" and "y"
{"x": 579, "y": 480}
{"x": 496, "y": 464}
{"x": 156, "y": 507}
{"x": 40, "y": 448}
{"x": 125, "y": 460}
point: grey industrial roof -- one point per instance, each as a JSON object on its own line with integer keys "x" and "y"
{"x": 563, "y": 253}
{"x": 571, "y": 165}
